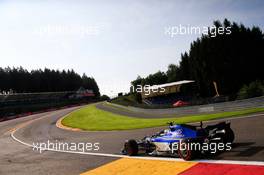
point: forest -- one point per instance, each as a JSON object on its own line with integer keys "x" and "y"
{"x": 20, "y": 80}
{"x": 232, "y": 60}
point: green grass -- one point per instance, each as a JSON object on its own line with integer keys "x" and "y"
{"x": 128, "y": 100}
{"x": 93, "y": 119}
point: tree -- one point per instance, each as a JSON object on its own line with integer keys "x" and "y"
{"x": 173, "y": 73}
{"x": 21, "y": 81}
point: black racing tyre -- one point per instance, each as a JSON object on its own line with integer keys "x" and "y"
{"x": 229, "y": 136}
{"x": 185, "y": 152}
{"x": 131, "y": 147}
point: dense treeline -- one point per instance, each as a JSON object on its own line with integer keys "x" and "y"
{"x": 20, "y": 80}
{"x": 231, "y": 60}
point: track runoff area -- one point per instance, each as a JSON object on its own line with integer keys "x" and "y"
{"x": 157, "y": 165}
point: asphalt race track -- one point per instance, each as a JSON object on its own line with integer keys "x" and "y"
{"x": 18, "y": 158}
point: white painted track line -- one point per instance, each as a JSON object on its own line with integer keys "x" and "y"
{"x": 260, "y": 163}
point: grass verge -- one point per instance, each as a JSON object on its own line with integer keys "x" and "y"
{"x": 93, "y": 119}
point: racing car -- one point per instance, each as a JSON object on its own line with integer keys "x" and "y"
{"x": 163, "y": 143}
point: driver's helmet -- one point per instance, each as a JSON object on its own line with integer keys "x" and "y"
{"x": 166, "y": 131}
{"x": 174, "y": 127}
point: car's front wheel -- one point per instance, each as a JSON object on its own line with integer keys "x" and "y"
{"x": 131, "y": 148}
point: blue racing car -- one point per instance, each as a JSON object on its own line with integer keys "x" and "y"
{"x": 184, "y": 141}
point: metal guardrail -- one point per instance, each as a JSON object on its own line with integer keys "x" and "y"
{"x": 207, "y": 108}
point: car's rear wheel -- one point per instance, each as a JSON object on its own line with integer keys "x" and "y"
{"x": 131, "y": 147}
{"x": 185, "y": 152}
{"x": 229, "y": 136}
